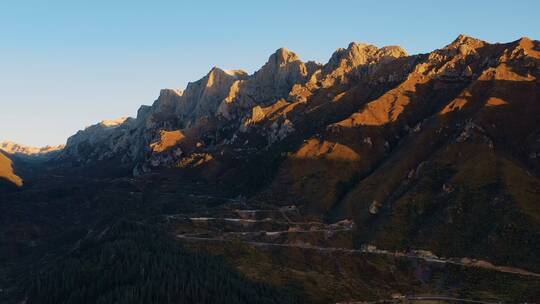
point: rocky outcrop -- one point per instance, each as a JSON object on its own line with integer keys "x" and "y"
{"x": 272, "y": 82}
{"x": 203, "y": 97}
{"x": 357, "y": 54}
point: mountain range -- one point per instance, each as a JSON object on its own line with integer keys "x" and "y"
{"x": 436, "y": 153}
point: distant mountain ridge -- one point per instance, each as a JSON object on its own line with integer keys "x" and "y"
{"x": 12, "y": 155}
{"x": 16, "y": 148}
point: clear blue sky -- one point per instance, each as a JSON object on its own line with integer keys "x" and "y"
{"x": 67, "y": 64}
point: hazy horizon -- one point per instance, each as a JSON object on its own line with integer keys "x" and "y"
{"x": 69, "y": 65}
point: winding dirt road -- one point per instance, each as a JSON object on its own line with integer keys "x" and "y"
{"x": 408, "y": 255}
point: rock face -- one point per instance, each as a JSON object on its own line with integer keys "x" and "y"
{"x": 358, "y": 54}
{"x": 203, "y": 97}
{"x": 273, "y": 81}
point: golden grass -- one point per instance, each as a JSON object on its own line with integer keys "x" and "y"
{"x": 7, "y": 172}
{"x": 168, "y": 139}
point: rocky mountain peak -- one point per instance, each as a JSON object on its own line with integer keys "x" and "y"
{"x": 392, "y": 51}
{"x": 273, "y": 81}
{"x": 170, "y": 92}
{"x": 114, "y": 122}
{"x": 531, "y": 47}
{"x": 465, "y": 41}
{"x": 527, "y": 42}
{"x": 282, "y": 59}
{"x": 283, "y": 56}
{"x": 361, "y": 53}
{"x": 217, "y": 75}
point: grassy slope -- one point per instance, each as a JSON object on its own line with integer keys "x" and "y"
{"x": 472, "y": 196}
{"x": 331, "y": 277}
{"x": 7, "y": 172}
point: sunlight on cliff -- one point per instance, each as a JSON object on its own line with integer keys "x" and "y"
{"x": 494, "y": 101}
{"x": 387, "y": 108}
{"x": 457, "y": 104}
{"x": 168, "y": 139}
{"x": 314, "y": 149}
